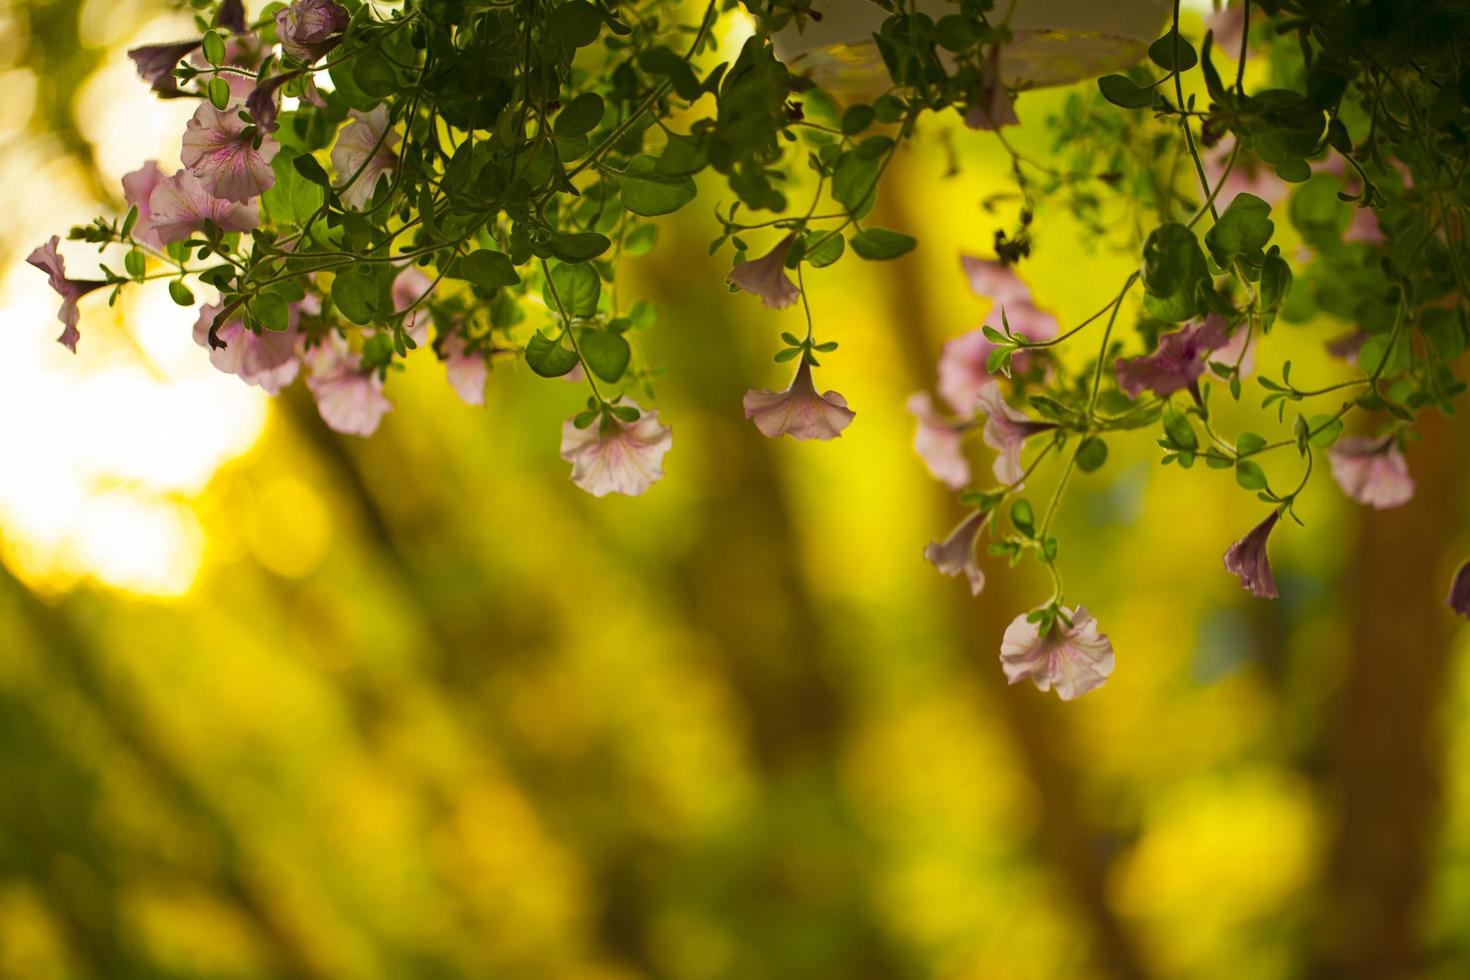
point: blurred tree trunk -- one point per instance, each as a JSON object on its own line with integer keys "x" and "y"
{"x": 1386, "y": 751}
{"x": 1037, "y": 723}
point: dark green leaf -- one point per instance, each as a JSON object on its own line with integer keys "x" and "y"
{"x": 549, "y": 358}
{"x": 607, "y": 353}
{"x": 878, "y": 244}
{"x": 647, "y": 192}
{"x": 487, "y": 269}
{"x": 1121, "y": 90}
{"x": 577, "y": 287}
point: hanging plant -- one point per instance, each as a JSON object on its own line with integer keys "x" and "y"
{"x": 363, "y": 182}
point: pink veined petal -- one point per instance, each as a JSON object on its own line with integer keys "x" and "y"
{"x": 938, "y": 442}
{"x": 766, "y": 277}
{"x": 798, "y": 412}
{"x": 226, "y": 161}
{"x": 363, "y": 154}
{"x": 1073, "y": 659}
{"x": 1372, "y": 472}
{"x": 624, "y": 458}
{"x": 955, "y": 555}
{"x": 180, "y": 204}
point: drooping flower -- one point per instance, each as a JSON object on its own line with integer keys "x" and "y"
{"x": 1371, "y": 471}
{"x": 407, "y": 288}
{"x": 798, "y": 412}
{"x": 963, "y": 363}
{"x": 49, "y": 260}
{"x": 1006, "y": 430}
{"x": 1074, "y": 656}
{"x": 309, "y": 29}
{"x": 955, "y": 555}
{"x": 221, "y": 152}
{"x": 263, "y": 104}
{"x": 267, "y": 360}
{"x": 612, "y": 456}
{"x": 138, "y": 189}
{"x": 993, "y": 280}
{"x": 991, "y": 107}
{"x": 937, "y": 441}
{"x": 232, "y": 15}
{"x": 363, "y": 154}
{"x": 349, "y": 399}
{"x": 1178, "y": 361}
{"x": 1459, "y": 598}
{"x": 156, "y": 64}
{"x": 766, "y": 276}
{"x": 466, "y": 370}
{"x": 179, "y": 206}
{"x": 1248, "y": 560}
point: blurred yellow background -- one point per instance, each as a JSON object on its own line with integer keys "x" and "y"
{"x": 279, "y": 703}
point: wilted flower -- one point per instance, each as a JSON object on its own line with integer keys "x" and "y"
{"x": 262, "y": 102}
{"x": 1073, "y": 656}
{"x": 219, "y": 149}
{"x": 266, "y": 359}
{"x": 1177, "y": 363}
{"x": 798, "y": 412}
{"x": 49, "y": 261}
{"x": 766, "y": 276}
{"x": 349, "y": 399}
{"x": 1006, "y": 430}
{"x": 937, "y": 441}
{"x": 156, "y": 63}
{"x": 1371, "y": 471}
{"x": 1247, "y": 559}
{"x": 309, "y": 29}
{"x": 991, "y": 107}
{"x": 137, "y": 190}
{"x": 956, "y": 554}
{"x": 466, "y": 370}
{"x": 1459, "y": 598}
{"x": 612, "y": 456}
{"x": 179, "y": 206}
{"x": 363, "y": 154}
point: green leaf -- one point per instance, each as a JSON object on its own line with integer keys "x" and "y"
{"x": 580, "y": 116}
{"x": 1172, "y": 52}
{"x": 829, "y": 249}
{"x": 1249, "y": 443}
{"x": 1329, "y": 427}
{"x": 1249, "y": 475}
{"x": 1023, "y": 518}
{"x": 179, "y": 293}
{"x": 272, "y": 311}
{"x": 640, "y": 240}
{"x": 1092, "y": 454}
{"x": 135, "y": 264}
{"x": 486, "y": 268}
{"x": 1172, "y": 260}
{"x": 357, "y": 294}
{"x": 576, "y": 23}
{"x": 1180, "y": 432}
{"x": 854, "y": 182}
{"x": 878, "y": 244}
{"x": 647, "y": 192}
{"x": 579, "y": 247}
{"x": 607, "y": 354}
{"x": 219, "y": 93}
{"x": 307, "y": 166}
{"x": 214, "y": 48}
{"x": 549, "y": 358}
{"x": 1121, "y": 91}
{"x": 666, "y": 64}
{"x": 856, "y": 119}
{"x": 1243, "y": 230}
{"x": 577, "y": 287}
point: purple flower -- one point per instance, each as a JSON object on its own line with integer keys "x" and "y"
{"x": 349, "y": 399}
{"x": 991, "y": 108}
{"x": 1371, "y": 471}
{"x": 1073, "y": 657}
{"x": 232, "y": 15}
{"x": 220, "y": 150}
{"x": 1459, "y": 598}
{"x": 798, "y": 412}
{"x": 363, "y": 154}
{"x": 937, "y": 441}
{"x": 466, "y": 370}
{"x": 267, "y": 360}
{"x": 614, "y": 456}
{"x": 262, "y": 103}
{"x": 156, "y": 63}
{"x": 309, "y": 29}
{"x": 955, "y": 555}
{"x": 1347, "y": 346}
{"x": 179, "y": 206}
{"x": 766, "y": 276}
{"x": 138, "y": 188}
{"x": 1178, "y": 361}
{"x": 1006, "y": 430}
{"x": 1247, "y": 559}
{"x": 49, "y": 261}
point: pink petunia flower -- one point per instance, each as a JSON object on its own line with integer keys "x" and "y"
{"x": 994, "y": 280}
{"x": 223, "y": 155}
{"x": 363, "y": 154}
{"x": 1248, "y": 176}
{"x": 798, "y": 412}
{"x": 992, "y": 107}
{"x": 1073, "y": 658}
{"x": 138, "y": 189}
{"x": 617, "y": 457}
{"x": 955, "y": 555}
{"x": 1459, "y": 598}
{"x": 466, "y": 370}
{"x": 1228, "y": 23}
{"x": 1006, "y": 431}
{"x": 963, "y": 369}
{"x": 267, "y": 360}
{"x": 156, "y": 64}
{"x": 1371, "y": 471}
{"x": 1231, "y": 352}
{"x": 1248, "y": 560}
{"x": 937, "y": 441}
{"x": 179, "y": 206}
{"x": 49, "y": 260}
{"x": 766, "y": 276}
{"x": 1178, "y": 361}
{"x": 407, "y": 288}
{"x": 349, "y": 399}
{"x": 309, "y": 29}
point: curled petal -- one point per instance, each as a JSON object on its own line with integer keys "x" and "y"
{"x": 1006, "y": 431}
{"x": 1371, "y": 471}
{"x": 408, "y": 289}
{"x": 616, "y": 457}
{"x": 363, "y": 154}
{"x": 349, "y": 399}
{"x": 766, "y": 276}
{"x": 955, "y": 555}
{"x": 138, "y": 188}
{"x": 1247, "y": 559}
{"x": 180, "y": 204}
{"x": 267, "y": 359}
{"x": 798, "y": 412}
{"x": 1178, "y": 361}
{"x": 1459, "y": 597}
{"x": 156, "y": 63}
{"x": 49, "y": 260}
{"x": 1074, "y": 656}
